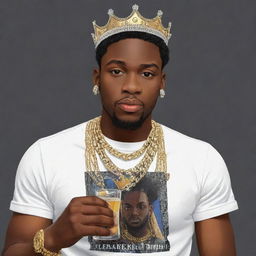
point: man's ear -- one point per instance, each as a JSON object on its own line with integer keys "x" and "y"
{"x": 163, "y": 81}
{"x": 96, "y": 77}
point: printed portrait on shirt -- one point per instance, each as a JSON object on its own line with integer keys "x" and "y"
{"x": 143, "y": 216}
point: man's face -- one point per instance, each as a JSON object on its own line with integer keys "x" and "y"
{"x": 130, "y": 78}
{"x": 136, "y": 209}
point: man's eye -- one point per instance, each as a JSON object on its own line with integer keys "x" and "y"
{"x": 147, "y": 74}
{"x": 116, "y": 72}
{"x": 142, "y": 206}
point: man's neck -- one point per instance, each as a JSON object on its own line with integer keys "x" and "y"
{"x": 125, "y": 135}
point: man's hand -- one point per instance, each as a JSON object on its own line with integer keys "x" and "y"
{"x": 88, "y": 215}
{"x": 83, "y": 216}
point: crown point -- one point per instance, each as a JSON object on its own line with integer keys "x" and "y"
{"x": 135, "y": 7}
{"x": 110, "y": 12}
{"x": 169, "y": 24}
{"x": 94, "y": 22}
{"x": 159, "y": 13}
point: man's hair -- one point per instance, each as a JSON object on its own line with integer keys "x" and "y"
{"x": 147, "y": 186}
{"x": 163, "y": 48}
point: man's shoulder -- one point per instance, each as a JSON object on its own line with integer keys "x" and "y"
{"x": 175, "y": 137}
{"x": 179, "y": 144}
{"x": 73, "y": 135}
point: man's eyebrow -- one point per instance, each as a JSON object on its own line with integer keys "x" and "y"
{"x": 149, "y": 65}
{"x": 141, "y": 203}
{"x": 119, "y": 62}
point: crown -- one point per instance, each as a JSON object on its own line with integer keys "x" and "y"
{"x": 134, "y": 22}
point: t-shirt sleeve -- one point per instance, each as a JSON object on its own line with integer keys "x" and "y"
{"x": 30, "y": 193}
{"x": 216, "y": 195}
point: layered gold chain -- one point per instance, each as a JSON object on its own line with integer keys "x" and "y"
{"x": 126, "y": 178}
{"x": 119, "y": 154}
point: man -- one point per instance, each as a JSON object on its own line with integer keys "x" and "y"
{"x": 54, "y": 207}
{"x": 139, "y": 224}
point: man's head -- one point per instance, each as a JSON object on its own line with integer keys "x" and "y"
{"x": 130, "y": 76}
{"x": 137, "y": 204}
{"x": 131, "y": 53}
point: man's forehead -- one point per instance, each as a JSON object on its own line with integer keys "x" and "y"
{"x": 135, "y": 196}
{"x": 133, "y": 43}
{"x": 133, "y": 50}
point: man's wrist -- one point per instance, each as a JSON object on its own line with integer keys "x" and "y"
{"x": 41, "y": 246}
{"x": 50, "y": 241}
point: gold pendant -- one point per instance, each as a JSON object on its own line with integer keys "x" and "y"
{"x": 122, "y": 182}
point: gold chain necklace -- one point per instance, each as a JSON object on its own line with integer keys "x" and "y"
{"x": 126, "y": 178}
{"x": 126, "y": 235}
{"x": 125, "y": 156}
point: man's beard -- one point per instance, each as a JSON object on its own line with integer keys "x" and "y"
{"x": 126, "y": 124}
{"x": 142, "y": 225}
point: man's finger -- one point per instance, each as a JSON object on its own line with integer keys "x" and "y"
{"x": 97, "y": 220}
{"x": 96, "y": 210}
{"x": 94, "y": 230}
{"x": 89, "y": 200}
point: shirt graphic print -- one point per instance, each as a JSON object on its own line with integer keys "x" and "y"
{"x": 143, "y": 215}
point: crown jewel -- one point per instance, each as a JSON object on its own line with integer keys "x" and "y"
{"x": 134, "y": 22}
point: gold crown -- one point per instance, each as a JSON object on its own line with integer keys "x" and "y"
{"x": 134, "y": 22}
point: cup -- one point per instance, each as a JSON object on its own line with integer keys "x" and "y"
{"x": 113, "y": 198}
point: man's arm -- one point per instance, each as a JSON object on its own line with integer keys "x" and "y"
{"x": 215, "y": 237}
{"x": 83, "y": 216}
{"x": 20, "y": 233}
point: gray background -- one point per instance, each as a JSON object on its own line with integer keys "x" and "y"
{"x": 46, "y": 62}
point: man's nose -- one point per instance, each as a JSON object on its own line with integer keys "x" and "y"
{"x": 132, "y": 84}
{"x": 135, "y": 211}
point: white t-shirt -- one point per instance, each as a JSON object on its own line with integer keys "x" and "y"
{"x": 51, "y": 173}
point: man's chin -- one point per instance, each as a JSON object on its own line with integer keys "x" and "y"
{"x": 127, "y": 124}
{"x": 135, "y": 226}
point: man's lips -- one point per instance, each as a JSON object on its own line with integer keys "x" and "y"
{"x": 134, "y": 221}
{"x": 130, "y": 105}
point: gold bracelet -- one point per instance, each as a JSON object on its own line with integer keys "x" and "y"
{"x": 38, "y": 243}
